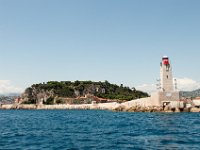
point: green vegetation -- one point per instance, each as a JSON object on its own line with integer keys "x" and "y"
{"x": 68, "y": 89}
{"x": 49, "y": 101}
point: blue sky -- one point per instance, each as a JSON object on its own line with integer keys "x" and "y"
{"x": 121, "y": 41}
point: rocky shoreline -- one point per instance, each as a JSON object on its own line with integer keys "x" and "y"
{"x": 155, "y": 109}
{"x": 103, "y": 106}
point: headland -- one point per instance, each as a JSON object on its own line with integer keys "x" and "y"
{"x": 106, "y": 96}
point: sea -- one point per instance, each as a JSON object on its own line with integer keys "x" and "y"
{"x": 98, "y": 130}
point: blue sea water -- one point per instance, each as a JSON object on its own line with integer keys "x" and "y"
{"x": 91, "y": 129}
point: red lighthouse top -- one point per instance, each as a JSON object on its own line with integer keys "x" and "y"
{"x": 165, "y": 60}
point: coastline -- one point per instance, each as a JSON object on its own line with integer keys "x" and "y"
{"x": 101, "y": 106}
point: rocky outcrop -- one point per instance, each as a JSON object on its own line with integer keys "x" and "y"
{"x": 36, "y": 95}
{"x": 54, "y": 92}
{"x": 139, "y": 109}
{"x": 194, "y": 109}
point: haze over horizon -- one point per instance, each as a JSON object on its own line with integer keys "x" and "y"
{"x": 119, "y": 41}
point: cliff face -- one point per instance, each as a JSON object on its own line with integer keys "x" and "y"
{"x": 58, "y": 92}
{"x": 35, "y": 95}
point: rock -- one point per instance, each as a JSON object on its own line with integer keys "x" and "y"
{"x": 119, "y": 108}
{"x": 194, "y": 109}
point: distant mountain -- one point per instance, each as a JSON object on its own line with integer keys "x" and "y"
{"x": 193, "y": 94}
{"x": 10, "y": 94}
{"x": 7, "y": 99}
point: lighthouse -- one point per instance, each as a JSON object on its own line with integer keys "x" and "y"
{"x": 167, "y": 96}
{"x": 166, "y": 78}
{"x": 167, "y": 93}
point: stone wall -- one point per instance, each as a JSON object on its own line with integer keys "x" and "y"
{"x": 156, "y": 99}
{"x": 168, "y": 96}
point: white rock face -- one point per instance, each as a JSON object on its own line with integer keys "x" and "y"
{"x": 196, "y": 102}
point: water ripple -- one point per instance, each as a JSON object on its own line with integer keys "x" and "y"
{"x": 76, "y": 129}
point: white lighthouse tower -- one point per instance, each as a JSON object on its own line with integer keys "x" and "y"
{"x": 167, "y": 96}
{"x": 166, "y": 79}
{"x": 167, "y": 93}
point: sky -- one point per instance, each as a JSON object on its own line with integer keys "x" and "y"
{"x": 121, "y": 41}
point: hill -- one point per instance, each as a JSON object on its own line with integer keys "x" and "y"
{"x": 60, "y": 92}
{"x": 192, "y": 94}
{"x": 8, "y": 99}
